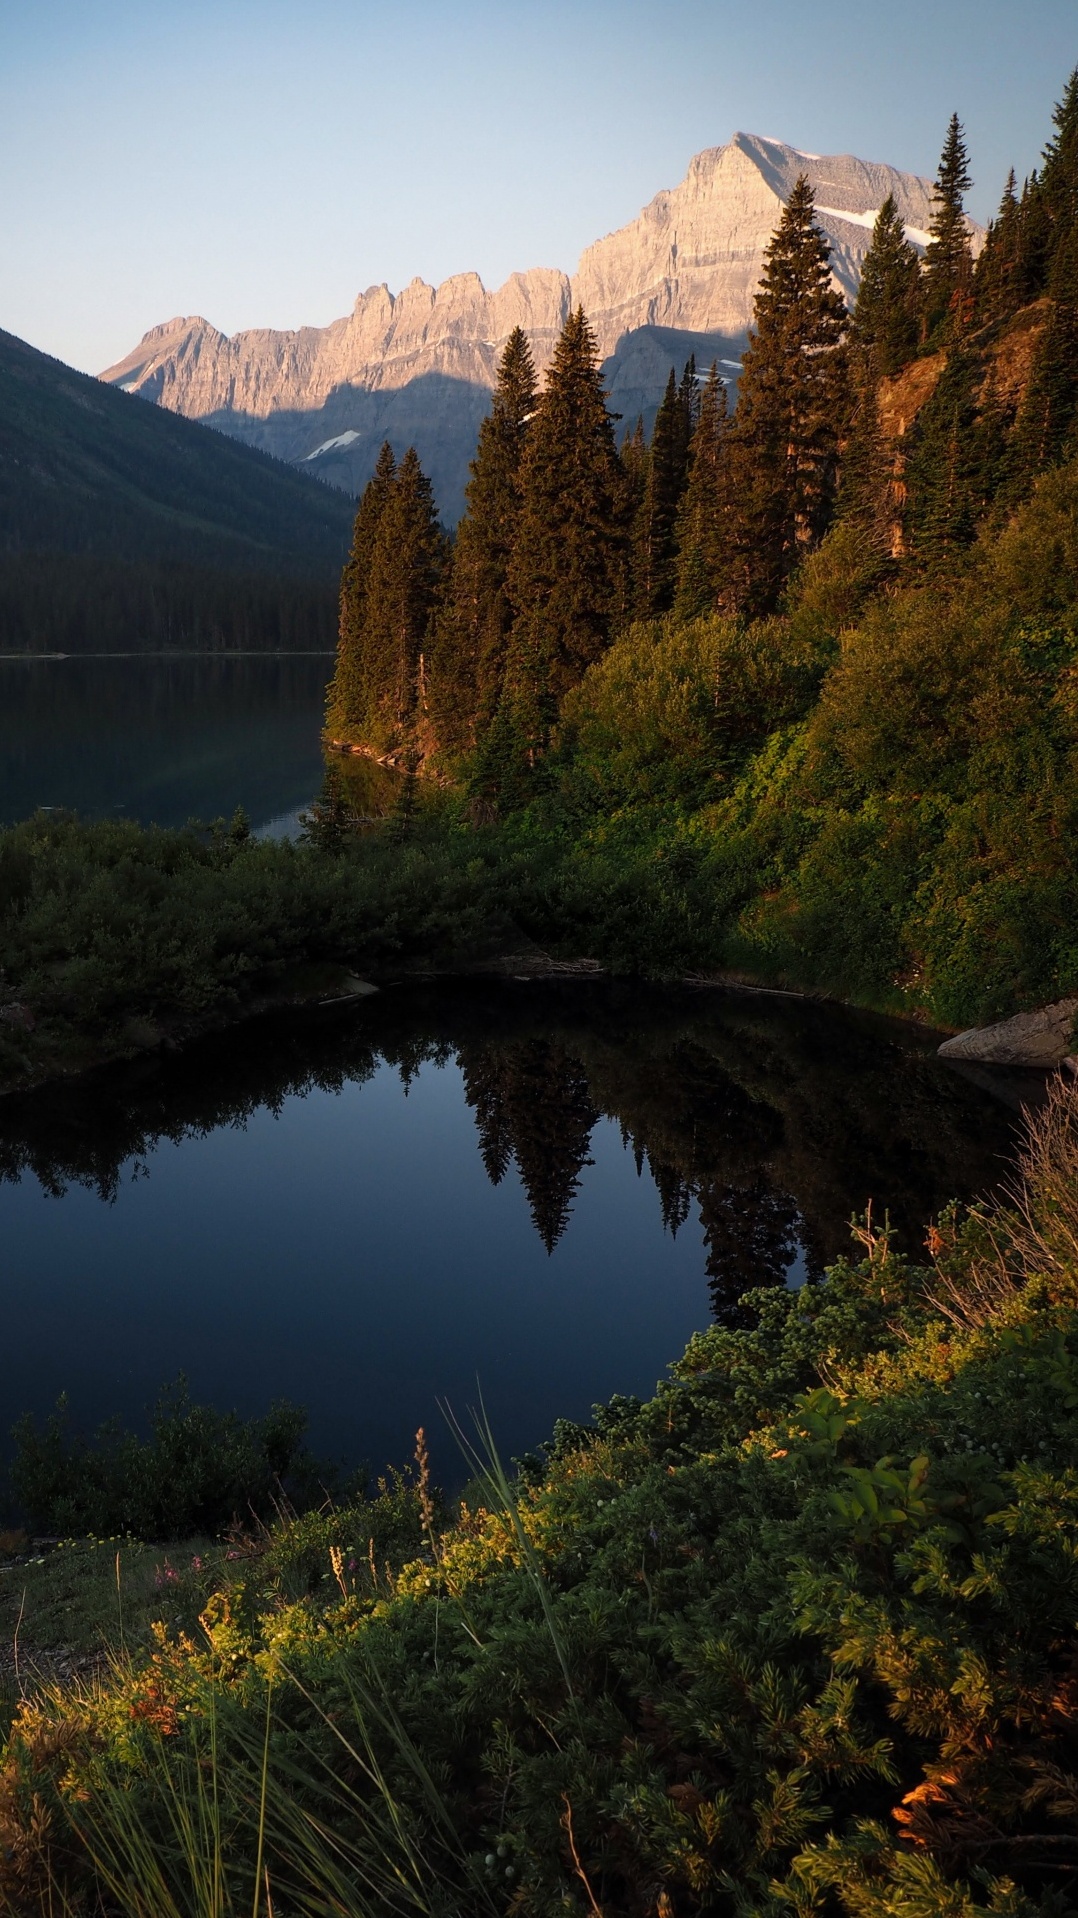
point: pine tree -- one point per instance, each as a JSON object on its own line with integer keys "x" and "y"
{"x": 956, "y": 461}
{"x": 346, "y": 706}
{"x": 468, "y": 667}
{"x": 653, "y": 535}
{"x": 1034, "y": 243}
{"x": 886, "y": 319}
{"x": 948, "y": 269}
{"x": 406, "y": 566}
{"x": 1059, "y": 169}
{"x": 996, "y": 279}
{"x": 1049, "y": 408}
{"x": 566, "y": 572}
{"x": 702, "y": 530}
{"x": 783, "y": 445}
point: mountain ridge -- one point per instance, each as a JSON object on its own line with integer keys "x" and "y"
{"x": 417, "y": 366}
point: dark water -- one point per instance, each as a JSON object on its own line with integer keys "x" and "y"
{"x": 162, "y": 739}
{"x": 531, "y": 1191}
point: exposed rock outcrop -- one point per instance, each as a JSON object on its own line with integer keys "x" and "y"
{"x": 1042, "y": 1038}
{"x": 417, "y": 367}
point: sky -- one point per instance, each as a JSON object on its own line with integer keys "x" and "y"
{"x": 261, "y": 163}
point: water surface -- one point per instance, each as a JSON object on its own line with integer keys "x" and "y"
{"x": 535, "y": 1192}
{"x": 162, "y": 739}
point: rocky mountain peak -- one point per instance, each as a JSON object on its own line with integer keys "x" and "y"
{"x": 417, "y": 367}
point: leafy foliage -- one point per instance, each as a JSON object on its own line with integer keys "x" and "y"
{"x": 198, "y": 1471}
{"x": 798, "y": 1631}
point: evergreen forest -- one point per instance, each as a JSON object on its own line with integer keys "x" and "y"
{"x": 127, "y": 528}
{"x": 787, "y": 691}
{"x": 800, "y": 670}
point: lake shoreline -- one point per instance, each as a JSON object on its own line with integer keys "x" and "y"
{"x": 328, "y": 991}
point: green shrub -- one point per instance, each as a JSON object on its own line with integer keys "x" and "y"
{"x": 198, "y": 1471}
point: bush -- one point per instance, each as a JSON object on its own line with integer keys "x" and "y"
{"x": 198, "y": 1471}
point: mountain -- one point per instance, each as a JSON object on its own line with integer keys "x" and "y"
{"x": 417, "y": 366}
{"x": 115, "y": 517}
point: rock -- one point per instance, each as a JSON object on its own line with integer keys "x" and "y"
{"x": 417, "y": 367}
{"x": 1044, "y": 1038}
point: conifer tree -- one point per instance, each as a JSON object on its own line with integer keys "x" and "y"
{"x": 566, "y": 572}
{"x": 473, "y": 630}
{"x": 884, "y": 332}
{"x": 783, "y": 445}
{"x": 956, "y": 461}
{"x": 702, "y": 521}
{"x": 346, "y": 707}
{"x": 948, "y": 269}
{"x": 996, "y": 278}
{"x": 1034, "y": 243}
{"x": 406, "y": 566}
{"x": 653, "y": 536}
{"x": 886, "y": 318}
{"x": 1049, "y": 409}
{"x": 1059, "y": 170}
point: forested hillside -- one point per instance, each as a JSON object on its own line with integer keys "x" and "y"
{"x": 799, "y": 676}
{"x": 122, "y": 526}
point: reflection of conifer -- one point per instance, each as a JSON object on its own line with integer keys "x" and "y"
{"x": 485, "y": 1081}
{"x": 752, "y": 1233}
{"x": 675, "y": 1196}
{"x": 531, "y": 1098}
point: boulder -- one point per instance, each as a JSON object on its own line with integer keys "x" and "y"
{"x": 1042, "y": 1038}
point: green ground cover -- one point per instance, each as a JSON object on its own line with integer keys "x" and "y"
{"x": 797, "y": 1634}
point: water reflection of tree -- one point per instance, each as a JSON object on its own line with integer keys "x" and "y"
{"x": 531, "y": 1104}
{"x": 753, "y": 1233}
{"x": 776, "y": 1120}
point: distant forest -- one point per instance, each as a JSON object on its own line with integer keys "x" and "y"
{"x": 124, "y": 527}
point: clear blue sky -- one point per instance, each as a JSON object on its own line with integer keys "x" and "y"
{"x": 261, "y": 163}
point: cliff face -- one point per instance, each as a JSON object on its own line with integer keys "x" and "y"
{"x": 417, "y": 367}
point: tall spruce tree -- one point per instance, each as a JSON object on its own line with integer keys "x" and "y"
{"x": 1059, "y": 169}
{"x": 783, "y": 445}
{"x": 997, "y": 284}
{"x": 956, "y": 460}
{"x": 1048, "y": 416}
{"x": 346, "y": 703}
{"x": 884, "y": 333}
{"x": 885, "y": 326}
{"x": 653, "y": 533}
{"x": 405, "y": 571}
{"x": 468, "y": 665}
{"x": 948, "y": 268}
{"x": 566, "y": 572}
{"x": 701, "y": 526}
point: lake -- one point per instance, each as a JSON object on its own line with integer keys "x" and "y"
{"x": 165, "y": 738}
{"x": 528, "y": 1192}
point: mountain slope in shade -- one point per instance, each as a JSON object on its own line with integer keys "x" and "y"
{"x": 417, "y": 367}
{"x": 84, "y": 471}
